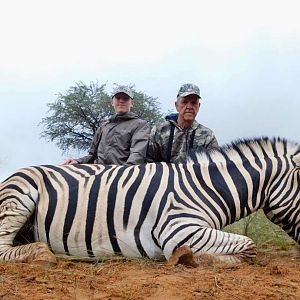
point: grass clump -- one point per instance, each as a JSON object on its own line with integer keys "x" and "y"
{"x": 262, "y": 231}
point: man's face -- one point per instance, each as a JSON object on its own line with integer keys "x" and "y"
{"x": 188, "y": 107}
{"x": 122, "y": 103}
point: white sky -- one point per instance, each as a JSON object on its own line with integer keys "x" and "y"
{"x": 244, "y": 55}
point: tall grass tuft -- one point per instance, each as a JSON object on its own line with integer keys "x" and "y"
{"x": 262, "y": 231}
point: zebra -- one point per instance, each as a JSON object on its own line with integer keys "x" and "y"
{"x": 151, "y": 210}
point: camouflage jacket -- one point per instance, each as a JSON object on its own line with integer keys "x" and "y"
{"x": 122, "y": 140}
{"x": 185, "y": 141}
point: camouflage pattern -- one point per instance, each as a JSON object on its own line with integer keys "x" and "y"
{"x": 159, "y": 137}
{"x": 122, "y": 89}
{"x": 188, "y": 89}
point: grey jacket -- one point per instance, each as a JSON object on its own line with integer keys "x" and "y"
{"x": 184, "y": 143}
{"x": 122, "y": 140}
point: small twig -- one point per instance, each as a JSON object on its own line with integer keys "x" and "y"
{"x": 4, "y": 294}
{"x": 99, "y": 270}
{"x": 75, "y": 287}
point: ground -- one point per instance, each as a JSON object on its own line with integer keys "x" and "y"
{"x": 273, "y": 275}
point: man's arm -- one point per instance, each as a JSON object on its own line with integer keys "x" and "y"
{"x": 153, "y": 147}
{"x": 212, "y": 142}
{"x": 139, "y": 143}
{"x": 92, "y": 154}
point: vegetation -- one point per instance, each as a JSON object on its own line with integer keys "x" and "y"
{"x": 75, "y": 115}
{"x": 263, "y": 232}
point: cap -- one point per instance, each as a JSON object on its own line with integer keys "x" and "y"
{"x": 188, "y": 89}
{"x": 122, "y": 89}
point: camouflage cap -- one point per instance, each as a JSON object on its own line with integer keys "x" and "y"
{"x": 188, "y": 89}
{"x": 122, "y": 89}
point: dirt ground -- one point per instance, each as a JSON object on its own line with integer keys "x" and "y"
{"x": 273, "y": 275}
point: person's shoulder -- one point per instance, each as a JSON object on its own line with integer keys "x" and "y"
{"x": 134, "y": 118}
{"x": 203, "y": 128}
{"x": 102, "y": 124}
{"x": 161, "y": 126}
{"x": 140, "y": 122}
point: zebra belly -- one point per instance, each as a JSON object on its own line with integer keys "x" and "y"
{"x": 99, "y": 246}
{"x": 84, "y": 239}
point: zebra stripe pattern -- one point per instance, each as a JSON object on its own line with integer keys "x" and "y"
{"x": 91, "y": 211}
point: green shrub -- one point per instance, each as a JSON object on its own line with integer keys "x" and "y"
{"x": 262, "y": 231}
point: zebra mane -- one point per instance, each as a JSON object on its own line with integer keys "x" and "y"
{"x": 257, "y": 146}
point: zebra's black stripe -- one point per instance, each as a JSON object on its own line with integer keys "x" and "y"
{"x": 111, "y": 202}
{"x": 51, "y": 205}
{"x": 132, "y": 191}
{"x": 91, "y": 212}
{"x": 178, "y": 229}
{"x": 213, "y": 198}
{"x": 147, "y": 201}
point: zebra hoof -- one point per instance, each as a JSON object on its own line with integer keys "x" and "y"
{"x": 183, "y": 255}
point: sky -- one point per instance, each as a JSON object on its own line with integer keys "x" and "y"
{"x": 244, "y": 56}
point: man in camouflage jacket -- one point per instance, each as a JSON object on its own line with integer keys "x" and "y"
{"x": 181, "y": 135}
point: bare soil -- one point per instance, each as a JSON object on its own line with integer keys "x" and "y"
{"x": 273, "y": 275}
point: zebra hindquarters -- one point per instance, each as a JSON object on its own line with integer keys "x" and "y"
{"x": 219, "y": 245}
{"x": 15, "y": 210}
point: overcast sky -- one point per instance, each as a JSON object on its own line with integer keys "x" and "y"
{"x": 244, "y": 55}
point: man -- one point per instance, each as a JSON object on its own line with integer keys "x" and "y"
{"x": 123, "y": 139}
{"x": 181, "y": 135}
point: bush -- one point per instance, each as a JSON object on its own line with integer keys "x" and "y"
{"x": 262, "y": 231}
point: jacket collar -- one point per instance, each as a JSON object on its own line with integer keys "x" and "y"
{"x": 172, "y": 118}
{"x": 127, "y": 116}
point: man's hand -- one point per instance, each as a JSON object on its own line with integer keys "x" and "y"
{"x": 70, "y": 161}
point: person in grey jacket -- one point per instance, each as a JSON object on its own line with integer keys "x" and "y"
{"x": 123, "y": 139}
{"x": 181, "y": 135}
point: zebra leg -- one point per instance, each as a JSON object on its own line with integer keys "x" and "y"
{"x": 13, "y": 215}
{"x": 216, "y": 244}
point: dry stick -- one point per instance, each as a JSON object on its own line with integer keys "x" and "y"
{"x": 4, "y": 294}
{"x": 216, "y": 283}
{"x": 75, "y": 287}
